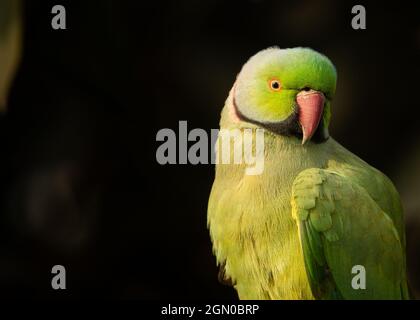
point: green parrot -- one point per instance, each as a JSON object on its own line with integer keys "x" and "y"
{"x": 318, "y": 222}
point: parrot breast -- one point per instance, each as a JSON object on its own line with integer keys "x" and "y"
{"x": 251, "y": 225}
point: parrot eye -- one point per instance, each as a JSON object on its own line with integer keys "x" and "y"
{"x": 274, "y": 84}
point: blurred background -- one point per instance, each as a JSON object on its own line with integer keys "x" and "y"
{"x": 81, "y": 107}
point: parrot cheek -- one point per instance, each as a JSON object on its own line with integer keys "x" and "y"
{"x": 311, "y": 106}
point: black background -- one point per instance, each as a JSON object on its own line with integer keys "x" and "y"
{"x": 80, "y": 185}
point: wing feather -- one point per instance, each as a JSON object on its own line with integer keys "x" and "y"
{"x": 341, "y": 226}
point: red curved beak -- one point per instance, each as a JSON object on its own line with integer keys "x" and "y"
{"x": 311, "y": 106}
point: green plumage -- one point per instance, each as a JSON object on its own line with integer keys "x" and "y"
{"x": 316, "y": 211}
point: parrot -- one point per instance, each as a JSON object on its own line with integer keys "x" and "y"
{"x": 318, "y": 223}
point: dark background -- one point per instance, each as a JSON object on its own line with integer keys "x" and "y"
{"x": 79, "y": 183}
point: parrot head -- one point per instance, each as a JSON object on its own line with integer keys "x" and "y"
{"x": 287, "y": 91}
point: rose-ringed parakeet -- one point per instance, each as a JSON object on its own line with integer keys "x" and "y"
{"x": 297, "y": 230}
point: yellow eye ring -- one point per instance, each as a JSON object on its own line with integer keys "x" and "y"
{"x": 274, "y": 84}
